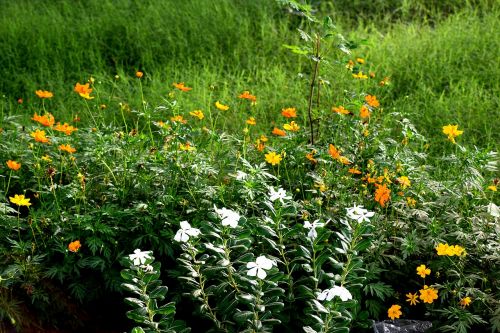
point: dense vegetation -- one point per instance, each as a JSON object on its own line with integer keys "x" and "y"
{"x": 240, "y": 188}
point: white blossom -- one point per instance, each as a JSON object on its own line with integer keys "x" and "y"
{"x": 493, "y": 210}
{"x": 359, "y": 214}
{"x": 229, "y": 217}
{"x": 329, "y": 294}
{"x": 312, "y": 234}
{"x": 259, "y": 267}
{"x": 185, "y": 231}
{"x": 280, "y": 195}
{"x": 240, "y": 175}
{"x": 139, "y": 257}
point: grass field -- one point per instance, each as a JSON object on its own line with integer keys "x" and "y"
{"x": 380, "y": 85}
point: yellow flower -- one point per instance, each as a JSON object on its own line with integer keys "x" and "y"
{"x": 335, "y": 153}
{"x": 39, "y": 136}
{"x": 394, "y": 312}
{"x": 452, "y": 131}
{"x": 360, "y": 75}
{"x": 492, "y": 188}
{"x": 428, "y": 294}
{"x": 310, "y": 157}
{"x": 273, "y": 158}
{"x": 20, "y": 200}
{"x": 198, "y": 114}
{"x": 186, "y": 147}
{"x": 442, "y": 249}
{"x": 465, "y": 301}
{"x": 412, "y": 298}
{"x": 360, "y": 60}
{"x": 139, "y": 74}
{"x": 404, "y": 182}
{"x": 411, "y": 202}
{"x": 350, "y": 65}
{"x": 221, "y": 107}
{"x": 46, "y": 158}
{"x": 292, "y": 126}
{"x": 13, "y": 165}
{"x": 251, "y": 121}
{"x": 320, "y": 186}
{"x": 74, "y": 246}
{"x": 67, "y": 129}
{"x": 423, "y": 271}
{"x": 44, "y": 94}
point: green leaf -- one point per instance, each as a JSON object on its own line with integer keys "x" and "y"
{"x": 139, "y": 315}
{"x": 242, "y": 316}
{"x": 134, "y": 302}
{"x": 166, "y": 310}
{"x": 137, "y": 330}
{"x": 159, "y": 293}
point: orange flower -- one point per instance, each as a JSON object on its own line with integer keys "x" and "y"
{"x": 259, "y": 145}
{"x": 340, "y": 110}
{"x": 44, "y": 94}
{"x": 178, "y": 119}
{"x": 289, "y": 113}
{"x": 83, "y": 90}
{"x": 13, "y": 165}
{"x": 428, "y": 294}
{"x": 394, "y": 312}
{"x": 65, "y": 128}
{"x": 74, "y": 246}
{"x": 39, "y": 136}
{"x": 278, "y": 132}
{"x": 310, "y": 157}
{"x": 251, "y": 121}
{"x": 335, "y": 153}
{"x": 382, "y": 194}
{"x": 46, "y": 120}
{"x": 67, "y": 148}
{"x": 372, "y": 101}
{"x": 465, "y": 302}
{"x": 247, "y": 95}
{"x": 350, "y": 65}
{"x": 181, "y": 86}
{"x": 139, "y": 74}
{"x": 364, "y": 112}
{"x": 354, "y": 171}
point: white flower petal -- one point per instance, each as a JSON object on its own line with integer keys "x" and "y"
{"x": 252, "y": 272}
{"x": 261, "y": 274}
{"x": 264, "y": 263}
{"x": 185, "y": 225}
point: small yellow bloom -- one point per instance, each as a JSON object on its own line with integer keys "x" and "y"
{"x": 83, "y": 90}
{"x": 44, "y": 94}
{"x": 221, "y": 107}
{"x": 20, "y": 200}
{"x": 423, "y": 271}
{"x": 411, "y": 202}
{"x": 273, "y": 158}
{"x": 428, "y": 294}
{"x": 412, "y": 298}
{"x": 139, "y": 74}
{"x": 340, "y": 110}
{"x": 178, "y": 119}
{"x": 251, "y": 121}
{"x": 186, "y": 147}
{"x": 492, "y": 188}
{"x": 394, "y": 312}
{"x": 39, "y": 136}
{"x": 360, "y": 76}
{"x": 452, "y": 131}
{"x": 197, "y": 114}
{"x": 46, "y": 158}
{"x": 404, "y": 182}
{"x": 465, "y": 301}
{"x": 13, "y": 165}
{"x": 292, "y": 126}
{"x": 360, "y": 60}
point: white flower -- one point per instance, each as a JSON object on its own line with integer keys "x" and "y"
{"x": 493, "y": 210}
{"x": 312, "y": 234}
{"x": 258, "y": 267}
{"x": 139, "y": 257}
{"x": 359, "y": 214}
{"x": 185, "y": 231}
{"x": 229, "y": 217}
{"x": 240, "y": 175}
{"x": 329, "y": 294}
{"x": 280, "y": 195}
